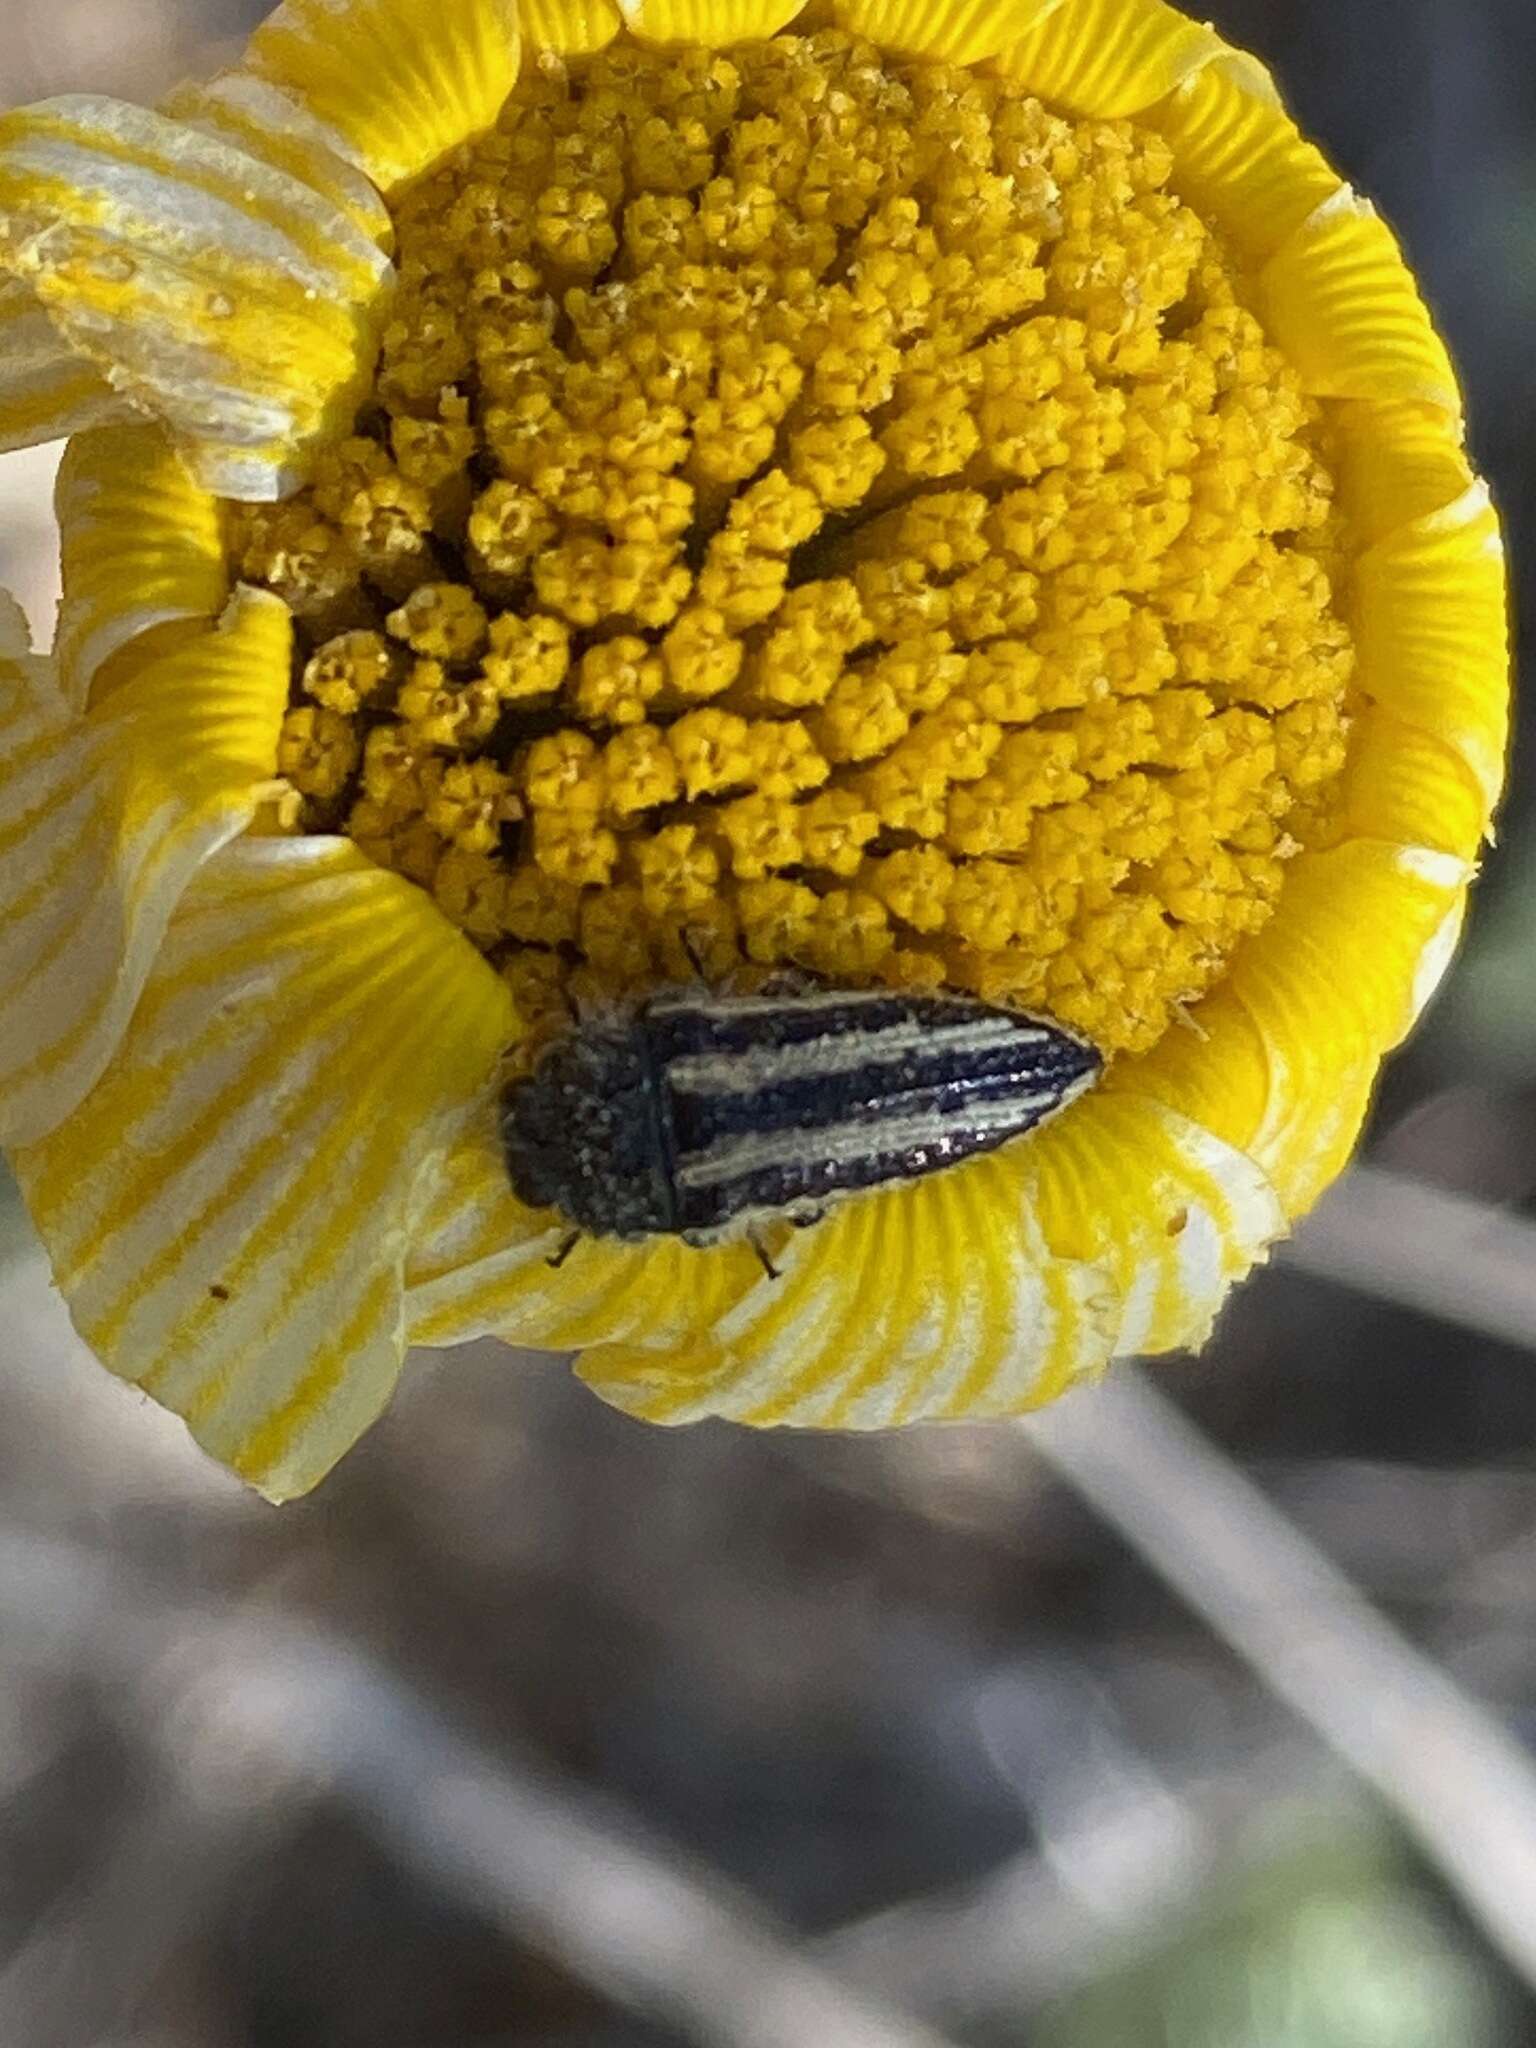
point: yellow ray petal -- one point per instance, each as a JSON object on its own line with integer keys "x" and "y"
{"x": 394, "y": 84}
{"x": 958, "y": 31}
{"x": 257, "y": 117}
{"x": 46, "y": 389}
{"x": 143, "y": 551}
{"x": 228, "y": 1212}
{"x": 939, "y": 1299}
{"x": 571, "y": 28}
{"x": 1342, "y": 304}
{"x": 714, "y": 23}
{"x": 1238, "y": 158}
{"x": 481, "y": 1264}
{"x": 1108, "y": 58}
{"x": 1168, "y": 1211}
{"x": 1337, "y": 977}
{"x": 1432, "y": 633}
{"x": 103, "y": 822}
{"x": 1403, "y": 784}
{"x": 216, "y": 293}
{"x": 1395, "y": 464}
{"x": 1222, "y": 1081}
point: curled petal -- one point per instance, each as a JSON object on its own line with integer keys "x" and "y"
{"x": 1432, "y": 632}
{"x": 958, "y": 31}
{"x": 393, "y": 84}
{"x": 218, "y": 294}
{"x": 1289, "y": 1045}
{"x": 1239, "y": 160}
{"x": 257, "y": 117}
{"x": 143, "y": 553}
{"x": 481, "y": 1266}
{"x": 1109, "y": 58}
{"x": 229, "y": 1210}
{"x": 47, "y": 390}
{"x": 1396, "y": 464}
{"x": 1342, "y": 305}
{"x": 938, "y": 1299}
{"x": 1164, "y": 1206}
{"x": 103, "y": 822}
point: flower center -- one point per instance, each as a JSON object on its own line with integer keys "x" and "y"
{"x": 818, "y": 509}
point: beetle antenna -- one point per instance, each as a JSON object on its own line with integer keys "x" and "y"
{"x": 557, "y": 1259}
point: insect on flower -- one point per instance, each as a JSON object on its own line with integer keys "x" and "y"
{"x": 704, "y": 1115}
{"x": 958, "y": 502}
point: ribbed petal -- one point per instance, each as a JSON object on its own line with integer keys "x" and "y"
{"x": 217, "y": 293}
{"x": 1290, "y": 1044}
{"x": 47, "y": 390}
{"x": 1431, "y": 627}
{"x": 1222, "y": 1081}
{"x": 481, "y": 1265}
{"x": 1396, "y": 464}
{"x": 1342, "y": 305}
{"x": 937, "y": 1299}
{"x": 266, "y": 123}
{"x": 393, "y": 84}
{"x": 570, "y": 28}
{"x": 143, "y": 552}
{"x": 229, "y": 1211}
{"x": 104, "y": 820}
{"x": 1168, "y": 1210}
{"x": 714, "y": 23}
{"x": 1108, "y": 58}
{"x": 958, "y": 31}
{"x": 1241, "y": 163}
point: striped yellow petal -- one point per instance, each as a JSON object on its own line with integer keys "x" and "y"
{"x": 571, "y": 28}
{"x": 1342, "y": 305}
{"x": 1359, "y": 941}
{"x": 481, "y": 1265}
{"x": 266, "y": 123}
{"x": 229, "y": 1210}
{"x": 942, "y": 1299}
{"x": 1172, "y": 1214}
{"x": 47, "y": 390}
{"x": 143, "y": 554}
{"x": 958, "y": 31}
{"x": 1239, "y": 159}
{"x": 713, "y": 23}
{"x": 103, "y": 822}
{"x": 1431, "y": 627}
{"x": 1403, "y": 784}
{"x": 1221, "y": 1080}
{"x": 393, "y": 84}
{"x": 219, "y": 294}
{"x": 1109, "y": 58}
{"x": 1396, "y": 464}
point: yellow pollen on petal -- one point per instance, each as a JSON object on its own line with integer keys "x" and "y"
{"x": 822, "y": 509}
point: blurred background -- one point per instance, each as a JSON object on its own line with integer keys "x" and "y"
{"x": 1199, "y": 1715}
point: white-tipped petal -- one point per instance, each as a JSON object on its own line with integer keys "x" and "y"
{"x": 104, "y": 819}
{"x": 47, "y": 389}
{"x": 229, "y": 1212}
{"x": 217, "y": 293}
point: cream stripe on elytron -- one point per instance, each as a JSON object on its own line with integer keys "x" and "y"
{"x": 737, "y": 1156}
{"x": 734, "y": 1072}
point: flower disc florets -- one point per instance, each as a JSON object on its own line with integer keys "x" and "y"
{"x": 827, "y": 511}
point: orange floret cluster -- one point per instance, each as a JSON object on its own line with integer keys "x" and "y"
{"x": 826, "y": 511}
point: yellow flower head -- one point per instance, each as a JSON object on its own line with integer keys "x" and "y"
{"x": 567, "y": 496}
